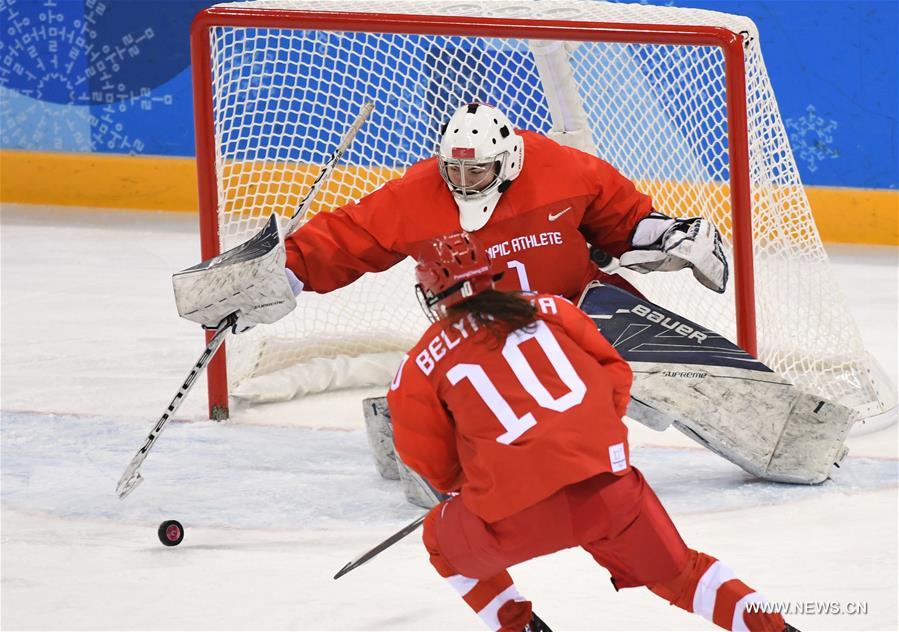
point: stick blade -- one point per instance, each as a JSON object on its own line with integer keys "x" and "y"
{"x": 346, "y": 569}
{"x": 128, "y": 485}
{"x": 396, "y": 537}
{"x": 362, "y": 559}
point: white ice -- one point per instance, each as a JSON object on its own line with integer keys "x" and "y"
{"x": 278, "y": 500}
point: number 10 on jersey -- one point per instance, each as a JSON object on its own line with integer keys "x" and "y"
{"x": 516, "y": 426}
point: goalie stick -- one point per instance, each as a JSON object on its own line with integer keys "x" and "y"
{"x": 131, "y": 478}
{"x": 325, "y": 173}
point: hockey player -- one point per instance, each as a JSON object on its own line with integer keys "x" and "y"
{"x": 536, "y": 205}
{"x": 515, "y": 401}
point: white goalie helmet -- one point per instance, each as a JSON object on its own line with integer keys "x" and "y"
{"x": 480, "y": 155}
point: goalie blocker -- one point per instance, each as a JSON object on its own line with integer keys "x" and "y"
{"x": 250, "y": 280}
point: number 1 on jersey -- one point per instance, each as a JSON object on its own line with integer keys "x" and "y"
{"x": 515, "y": 426}
{"x": 518, "y": 266}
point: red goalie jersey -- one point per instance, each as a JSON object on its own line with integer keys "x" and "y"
{"x": 562, "y": 200}
{"x": 510, "y": 424}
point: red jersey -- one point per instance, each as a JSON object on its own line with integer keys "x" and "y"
{"x": 539, "y": 231}
{"x": 510, "y": 424}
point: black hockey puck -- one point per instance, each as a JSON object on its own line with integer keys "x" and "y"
{"x": 170, "y": 533}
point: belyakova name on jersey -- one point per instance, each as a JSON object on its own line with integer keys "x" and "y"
{"x": 462, "y": 329}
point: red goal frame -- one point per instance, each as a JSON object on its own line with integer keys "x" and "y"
{"x": 735, "y": 85}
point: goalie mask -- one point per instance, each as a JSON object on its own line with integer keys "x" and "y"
{"x": 480, "y": 155}
{"x": 450, "y": 269}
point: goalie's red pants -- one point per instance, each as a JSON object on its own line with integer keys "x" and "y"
{"x": 618, "y": 520}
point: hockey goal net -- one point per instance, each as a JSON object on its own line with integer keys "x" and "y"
{"x": 677, "y": 99}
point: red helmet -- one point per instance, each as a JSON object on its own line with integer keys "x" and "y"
{"x": 449, "y": 270}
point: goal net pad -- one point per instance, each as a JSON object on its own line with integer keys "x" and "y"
{"x": 678, "y": 100}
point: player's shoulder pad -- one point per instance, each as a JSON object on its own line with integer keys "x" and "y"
{"x": 540, "y": 143}
{"x": 420, "y": 354}
{"x": 421, "y": 181}
{"x": 422, "y": 172}
{"x": 534, "y": 141}
{"x": 566, "y": 163}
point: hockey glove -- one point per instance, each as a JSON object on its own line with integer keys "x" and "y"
{"x": 665, "y": 244}
{"x": 249, "y": 281}
{"x": 240, "y": 324}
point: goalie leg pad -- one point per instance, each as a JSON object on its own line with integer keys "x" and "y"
{"x": 770, "y": 429}
{"x": 379, "y": 431}
{"x": 417, "y": 490}
{"x": 716, "y": 393}
{"x": 648, "y": 416}
{"x": 811, "y": 441}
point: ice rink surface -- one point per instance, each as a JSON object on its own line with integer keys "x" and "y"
{"x": 275, "y": 502}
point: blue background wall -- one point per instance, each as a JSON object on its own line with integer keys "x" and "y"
{"x": 111, "y": 76}
{"x": 97, "y": 75}
{"x": 833, "y": 68}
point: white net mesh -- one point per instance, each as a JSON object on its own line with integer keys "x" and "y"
{"x": 284, "y": 96}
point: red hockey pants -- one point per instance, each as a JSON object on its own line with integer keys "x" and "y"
{"x": 618, "y": 520}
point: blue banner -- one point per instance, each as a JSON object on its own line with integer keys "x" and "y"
{"x": 113, "y": 76}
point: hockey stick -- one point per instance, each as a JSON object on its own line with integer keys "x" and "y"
{"x": 365, "y": 557}
{"x": 132, "y": 478}
{"x": 325, "y": 173}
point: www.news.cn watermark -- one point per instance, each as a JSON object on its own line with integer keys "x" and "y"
{"x": 787, "y": 608}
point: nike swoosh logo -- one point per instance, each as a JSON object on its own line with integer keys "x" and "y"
{"x": 554, "y": 216}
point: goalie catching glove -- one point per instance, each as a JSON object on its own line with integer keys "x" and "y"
{"x": 249, "y": 280}
{"x": 665, "y": 244}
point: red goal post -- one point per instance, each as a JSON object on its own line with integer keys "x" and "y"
{"x": 285, "y": 16}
